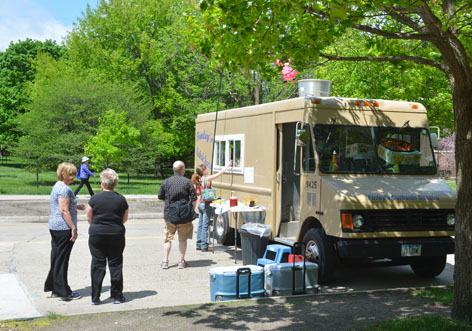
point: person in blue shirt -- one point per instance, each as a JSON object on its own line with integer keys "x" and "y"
{"x": 84, "y": 174}
{"x": 63, "y": 229}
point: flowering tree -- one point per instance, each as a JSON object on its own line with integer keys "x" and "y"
{"x": 447, "y": 161}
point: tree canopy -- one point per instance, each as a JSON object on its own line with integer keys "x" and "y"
{"x": 143, "y": 42}
{"x": 65, "y": 109}
{"x": 16, "y": 70}
{"x": 113, "y": 141}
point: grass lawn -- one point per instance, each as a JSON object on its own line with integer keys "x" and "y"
{"x": 437, "y": 296}
{"x": 452, "y": 185}
{"x": 420, "y": 323}
{"x": 14, "y": 179}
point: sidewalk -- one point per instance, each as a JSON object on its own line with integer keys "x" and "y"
{"x": 36, "y": 208}
{"x": 6, "y": 197}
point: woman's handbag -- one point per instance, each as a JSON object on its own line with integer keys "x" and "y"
{"x": 208, "y": 193}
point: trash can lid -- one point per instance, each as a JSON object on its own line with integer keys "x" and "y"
{"x": 257, "y": 229}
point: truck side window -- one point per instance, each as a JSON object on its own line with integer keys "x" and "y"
{"x": 308, "y": 153}
{"x": 235, "y": 152}
{"x": 229, "y": 147}
{"x": 220, "y": 153}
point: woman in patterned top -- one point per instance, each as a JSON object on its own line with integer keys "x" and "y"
{"x": 202, "y": 179}
{"x": 63, "y": 229}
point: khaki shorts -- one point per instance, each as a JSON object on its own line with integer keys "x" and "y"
{"x": 185, "y": 231}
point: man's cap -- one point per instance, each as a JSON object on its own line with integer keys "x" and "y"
{"x": 84, "y": 159}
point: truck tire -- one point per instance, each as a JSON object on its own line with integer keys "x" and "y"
{"x": 429, "y": 266}
{"x": 319, "y": 250}
{"x": 224, "y": 234}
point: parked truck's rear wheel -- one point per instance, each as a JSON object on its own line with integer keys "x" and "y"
{"x": 319, "y": 250}
{"x": 224, "y": 234}
{"x": 429, "y": 266}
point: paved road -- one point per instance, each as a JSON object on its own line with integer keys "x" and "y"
{"x": 24, "y": 263}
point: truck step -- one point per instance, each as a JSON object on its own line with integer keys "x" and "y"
{"x": 285, "y": 240}
{"x": 289, "y": 229}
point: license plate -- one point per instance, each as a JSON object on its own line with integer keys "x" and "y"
{"x": 411, "y": 250}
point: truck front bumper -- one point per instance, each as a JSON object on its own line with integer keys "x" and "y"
{"x": 392, "y": 248}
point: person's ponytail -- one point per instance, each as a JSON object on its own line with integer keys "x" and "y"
{"x": 196, "y": 180}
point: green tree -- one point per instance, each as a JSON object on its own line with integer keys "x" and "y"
{"x": 387, "y": 80}
{"x": 142, "y": 41}
{"x": 16, "y": 70}
{"x": 113, "y": 141}
{"x": 65, "y": 109}
{"x": 254, "y": 34}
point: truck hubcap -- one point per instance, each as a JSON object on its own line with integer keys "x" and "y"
{"x": 220, "y": 225}
{"x": 312, "y": 252}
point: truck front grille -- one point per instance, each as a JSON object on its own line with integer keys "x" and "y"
{"x": 404, "y": 220}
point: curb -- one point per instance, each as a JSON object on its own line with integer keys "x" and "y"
{"x": 80, "y": 218}
{"x": 6, "y": 197}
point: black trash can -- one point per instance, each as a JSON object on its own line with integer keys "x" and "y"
{"x": 254, "y": 240}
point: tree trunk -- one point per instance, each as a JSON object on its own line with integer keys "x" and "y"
{"x": 462, "y": 308}
{"x": 258, "y": 94}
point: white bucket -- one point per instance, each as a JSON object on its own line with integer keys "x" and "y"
{"x": 314, "y": 88}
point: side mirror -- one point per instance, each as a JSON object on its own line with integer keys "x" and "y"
{"x": 434, "y": 139}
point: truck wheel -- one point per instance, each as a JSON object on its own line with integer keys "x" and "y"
{"x": 319, "y": 250}
{"x": 223, "y": 233}
{"x": 429, "y": 266}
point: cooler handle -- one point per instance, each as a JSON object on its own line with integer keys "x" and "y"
{"x": 239, "y": 272}
{"x": 301, "y": 246}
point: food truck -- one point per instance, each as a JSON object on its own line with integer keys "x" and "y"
{"x": 355, "y": 179}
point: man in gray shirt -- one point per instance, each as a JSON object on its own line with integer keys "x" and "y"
{"x": 174, "y": 189}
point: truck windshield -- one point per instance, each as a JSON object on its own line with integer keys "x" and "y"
{"x": 374, "y": 150}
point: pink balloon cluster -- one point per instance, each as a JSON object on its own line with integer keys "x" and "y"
{"x": 288, "y": 72}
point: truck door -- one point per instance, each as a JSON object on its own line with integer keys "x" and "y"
{"x": 278, "y": 176}
{"x": 309, "y": 181}
{"x": 289, "y": 174}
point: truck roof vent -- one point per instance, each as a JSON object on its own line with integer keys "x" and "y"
{"x": 314, "y": 88}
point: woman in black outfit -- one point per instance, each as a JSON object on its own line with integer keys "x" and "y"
{"x": 107, "y": 212}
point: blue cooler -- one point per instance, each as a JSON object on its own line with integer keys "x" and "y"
{"x": 225, "y": 280}
{"x": 279, "y": 278}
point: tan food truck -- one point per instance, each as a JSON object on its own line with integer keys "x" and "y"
{"x": 355, "y": 179}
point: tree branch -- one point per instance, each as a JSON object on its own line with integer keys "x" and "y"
{"x": 462, "y": 8}
{"x": 449, "y": 10}
{"x": 393, "y": 35}
{"x": 403, "y": 19}
{"x": 386, "y": 59}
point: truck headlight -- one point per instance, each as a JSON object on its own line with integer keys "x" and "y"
{"x": 357, "y": 221}
{"x": 451, "y": 219}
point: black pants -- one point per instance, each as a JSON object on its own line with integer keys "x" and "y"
{"x": 84, "y": 181}
{"x": 61, "y": 247}
{"x": 103, "y": 248}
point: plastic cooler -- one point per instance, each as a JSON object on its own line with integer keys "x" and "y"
{"x": 279, "y": 278}
{"x": 223, "y": 282}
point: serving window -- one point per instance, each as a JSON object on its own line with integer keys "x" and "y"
{"x": 229, "y": 147}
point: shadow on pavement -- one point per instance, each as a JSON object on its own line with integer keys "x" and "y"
{"x": 130, "y": 296}
{"x": 331, "y": 312}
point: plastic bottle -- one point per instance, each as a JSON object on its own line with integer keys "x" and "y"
{"x": 233, "y": 201}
